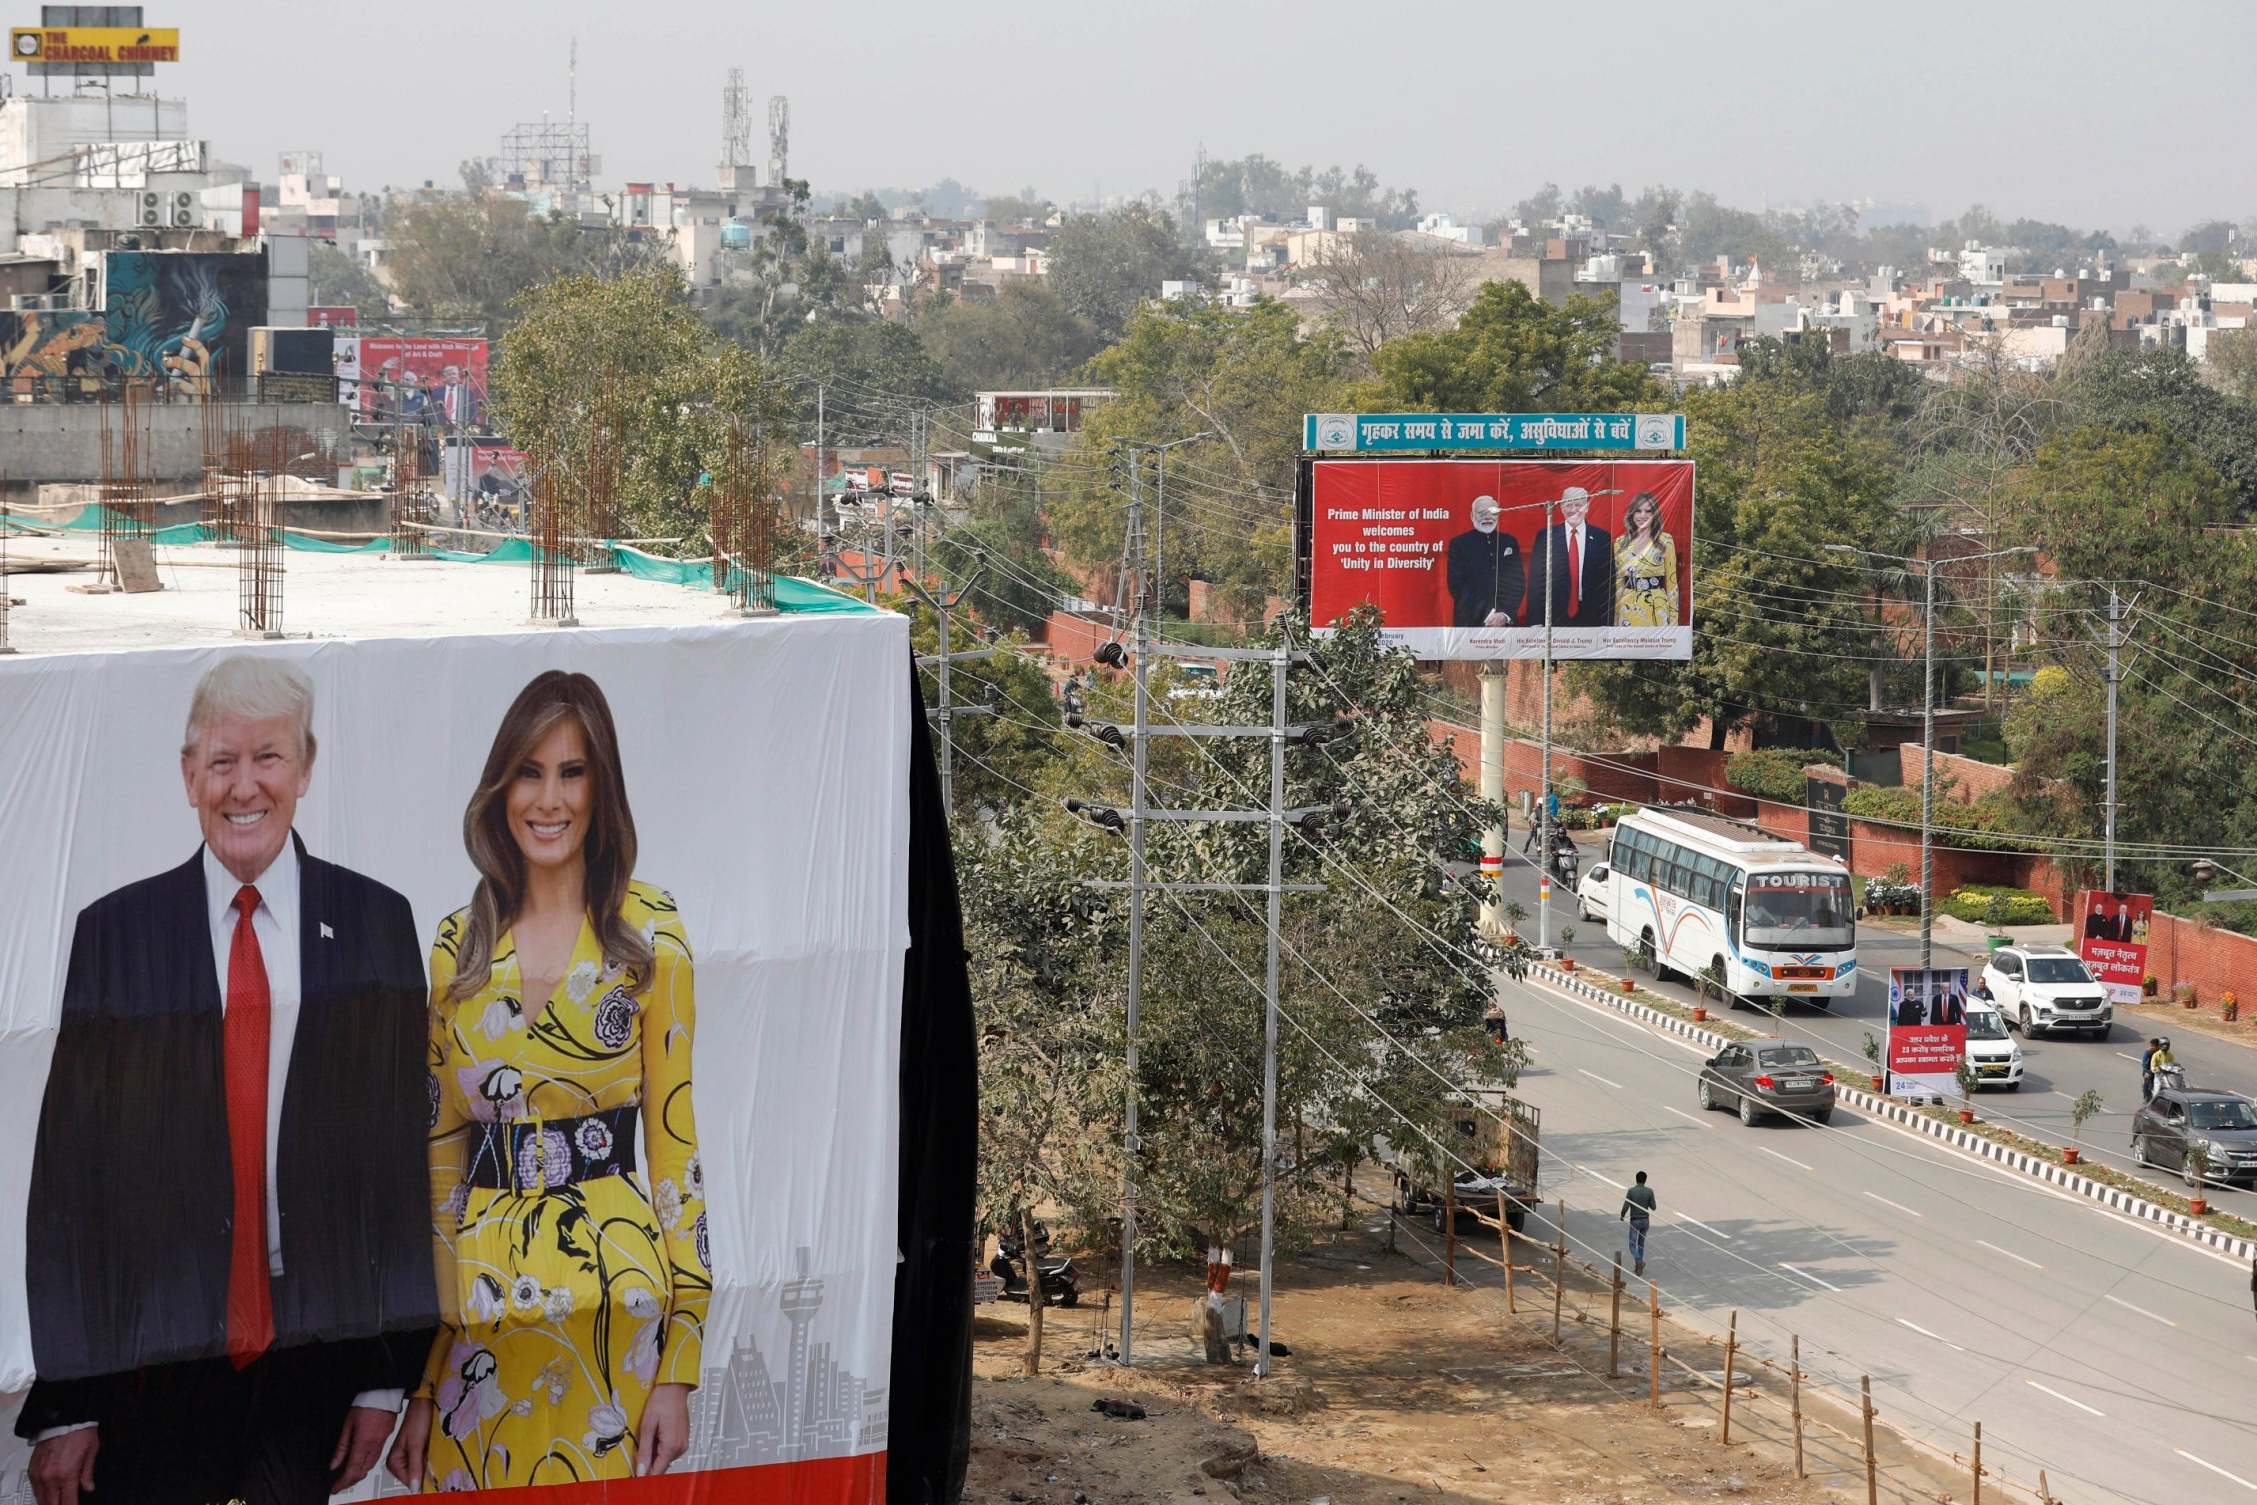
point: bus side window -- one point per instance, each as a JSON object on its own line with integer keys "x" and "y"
{"x": 1732, "y": 915}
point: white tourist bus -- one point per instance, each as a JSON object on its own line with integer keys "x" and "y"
{"x": 1694, "y": 891}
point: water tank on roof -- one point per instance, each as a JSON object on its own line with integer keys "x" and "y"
{"x": 736, "y": 235}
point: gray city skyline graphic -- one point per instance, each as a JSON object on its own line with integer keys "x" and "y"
{"x": 742, "y": 1415}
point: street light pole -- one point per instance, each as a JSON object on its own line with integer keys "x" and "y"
{"x": 1544, "y": 773}
{"x": 1927, "y": 568}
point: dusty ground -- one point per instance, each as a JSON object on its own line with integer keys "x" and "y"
{"x": 1396, "y": 1389}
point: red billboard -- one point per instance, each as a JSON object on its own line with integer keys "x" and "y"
{"x": 1927, "y": 1030}
{"x": 332, "y": 316}
{"x": 2112, "y": 940}
{"x": 1466, "y": 559}
{"x": 437, "y": 382}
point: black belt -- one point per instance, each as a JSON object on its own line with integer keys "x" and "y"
{"x": 536, "y": 1155}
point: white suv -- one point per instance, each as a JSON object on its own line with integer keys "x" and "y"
{"x": 2042, "y": 989}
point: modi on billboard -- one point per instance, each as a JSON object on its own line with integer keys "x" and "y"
{"x": 455, "y": 1063}
{"x": 2112, "y": 941}
{"x": 1469, "y": 559}
{"x": 1927, "y": 1030}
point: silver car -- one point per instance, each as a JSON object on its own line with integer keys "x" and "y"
{"x": 1760, "y": 1078}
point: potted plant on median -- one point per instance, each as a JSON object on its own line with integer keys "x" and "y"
{"x": 1514, "y": 912}
{"x": 2086, "y": 1105}
{"x": 1567, "y": 939}
{"x": 1964, "y": 1074}
{"x": 1872, "y": 1049}
{"x": 1995, "y": 913}
{"x": 1629, "y": 964}
{"x": 1710, "y": 984}
{"x": 2197, "y": 1174}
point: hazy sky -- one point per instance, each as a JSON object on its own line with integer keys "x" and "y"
{"x": 2074, "y": 110}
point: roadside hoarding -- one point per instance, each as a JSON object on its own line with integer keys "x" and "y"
{"x": 440, "y": 382}
{"x": 94, "y": 49}
{"x": 333, "y": 316}
{"x": 2112, "y": 940}
{"x": 1458, "y": 559}
{"x": 483, "y": 470}
{"x": 1927, "y": 1030}
{"x": 678, "y": 1167}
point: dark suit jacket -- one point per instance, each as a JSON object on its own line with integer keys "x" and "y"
{"x": 1910, "y": 1010}
{"x": 129, "y": 1215}
{"x": 1595, "y": 607}
{"x": 1485, "y": 575}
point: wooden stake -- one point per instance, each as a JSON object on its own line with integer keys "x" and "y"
{"x": 1559, "y": 1271}
{"x": 1614, "y": 1322}
{"x": 1653, "y": 1362}
{"x": 2045, "y": 1493}
{"x": 1505, "y": 1248}
{"x": 1978, "y": 1463}
{"x": 1794, "y": 1354}
{"x": 1449, "y": 1230}
{"x": 1731, "y": 1352}
{"x": 1865, "y": 1404}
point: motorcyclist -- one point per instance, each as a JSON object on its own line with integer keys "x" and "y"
{"x": 2164, "y": 1066}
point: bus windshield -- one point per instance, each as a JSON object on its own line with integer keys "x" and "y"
{"x": 1798, "y": 912}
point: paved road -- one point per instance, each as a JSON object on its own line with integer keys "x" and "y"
{"x": 2120, "y": 1360}
{"x": 2055, "y": 1069}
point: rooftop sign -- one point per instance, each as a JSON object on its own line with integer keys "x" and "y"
{"x": 66, "y": 49}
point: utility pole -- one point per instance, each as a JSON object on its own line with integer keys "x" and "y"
{"x": 947, "y": 710}
{"x": 1544, "y": 779}
{"x": 821, "y": 528}
{"x": 1278, "y": 733}
{"x": 2115, "y": 641}
{"x": 1928, "y": 769}
{"x": 1493, "y": 791}
{"x": 1139, "y": 798}
{"x": 1927, "y": 568}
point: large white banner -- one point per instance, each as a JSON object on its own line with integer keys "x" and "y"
{"x": 745, "y": 1054}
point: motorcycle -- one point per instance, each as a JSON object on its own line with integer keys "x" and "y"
{"x": 1061, "y": 1282}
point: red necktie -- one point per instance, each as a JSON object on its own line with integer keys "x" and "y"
{"x": 1574, "y": 572}
{"x": 250, "y": 1301}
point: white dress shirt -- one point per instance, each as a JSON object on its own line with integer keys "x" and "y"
{"x": 275, "y": 923}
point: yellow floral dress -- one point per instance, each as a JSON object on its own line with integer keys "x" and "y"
{"x": 568, "y": 1289}
{"x": 1646, "y": 588}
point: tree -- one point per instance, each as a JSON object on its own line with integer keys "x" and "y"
{"x": 1512, "y": 354}
{"x": 1024, "y": 336}
{"x": 1104, "y": 265}
{"x": 873, "y": 375}
{"x": 632, "y": 341}
{"x": 335, "y": 277}
{"x": 1377, "y": 286}
{"x": 1026, "y": 207}
{"x": 1773, "y": 639}
{"x": 463, "y": 259}
{"x": 2232, "y": 363}
{"x": 866, "y": 206}
{"x": 1245, "y": 376}
{"x": 1376, "y": 953}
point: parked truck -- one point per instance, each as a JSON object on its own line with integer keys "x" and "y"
{"x": 1499, "y": 1136}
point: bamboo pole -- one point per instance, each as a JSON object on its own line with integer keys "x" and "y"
{"x": 1559, "y": 1270}
{"x": 1978, "y": 1466}
{"x": 1865, "y": 1406}
{"x": 1614, "y": 1321}
{"x": 1794, "y": 1352}
{"x": 1731, "y": 1352}
{"x": 1653, "y": 1365}
{"x": 1505, "y": 1247}
{"x": 2045, "y": 1491}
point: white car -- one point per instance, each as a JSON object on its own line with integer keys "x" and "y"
{"x": 2042, "y": 989}
{"x": 1991, "y": 1049}
{"x": 1591, "y": 894}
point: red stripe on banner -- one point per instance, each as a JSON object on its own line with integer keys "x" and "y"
{"x": 859, "y": 1480}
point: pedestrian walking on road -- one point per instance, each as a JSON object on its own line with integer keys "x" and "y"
{"x": 1638, "y": 1207}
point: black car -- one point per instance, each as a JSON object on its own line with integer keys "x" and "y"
{"x": 1761, "y": 1077}
{"x": 2223, "y": 1121}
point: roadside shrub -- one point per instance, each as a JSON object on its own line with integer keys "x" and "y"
{"x": 1774, "y": 773}
{"x": 1973, "y": 903}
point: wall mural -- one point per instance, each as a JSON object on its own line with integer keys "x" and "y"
{"x": 182, "y": 319}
